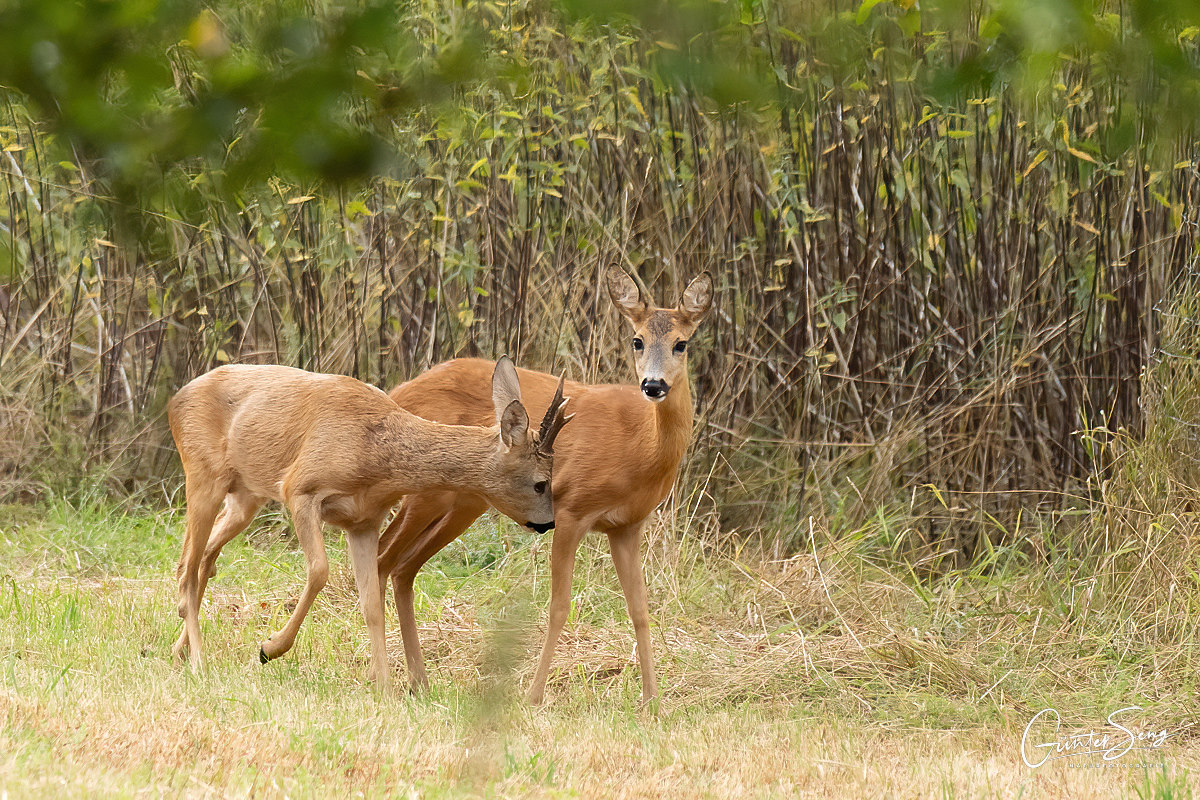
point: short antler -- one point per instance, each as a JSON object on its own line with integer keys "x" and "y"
{"x": 554, "y": 420}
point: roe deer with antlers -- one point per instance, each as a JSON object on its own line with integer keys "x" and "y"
{"x": 336, "y": 450}
{"x": 614, "y": 465}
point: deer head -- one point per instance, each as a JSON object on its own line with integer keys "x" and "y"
{"x": 524, "y": 458}
{"x": 660, "y": 335}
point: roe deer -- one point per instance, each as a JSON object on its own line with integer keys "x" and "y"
{"x": 614, "y": 464}
{"x": 336, "y": 450}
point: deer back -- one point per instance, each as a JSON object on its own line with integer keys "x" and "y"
{"x": 250, "y": 425}
{"x": 613, "y": 457}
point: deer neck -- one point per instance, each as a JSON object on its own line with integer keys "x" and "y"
{"x": 427, "y": 456}
{"x": 672, "y": 422}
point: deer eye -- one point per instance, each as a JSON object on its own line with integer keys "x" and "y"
{"x": 638, "y": 344}
{"x": 680, "y": 347}
{"x": 540, "y": 487}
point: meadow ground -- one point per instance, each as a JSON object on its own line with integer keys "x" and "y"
{"x": 835, "y": 677}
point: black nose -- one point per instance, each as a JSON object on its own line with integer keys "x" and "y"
{"x": 655, "y": 387}
{"x": 539, "y": 528}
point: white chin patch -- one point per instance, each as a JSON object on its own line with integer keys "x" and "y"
{"x": 658, "y": 399}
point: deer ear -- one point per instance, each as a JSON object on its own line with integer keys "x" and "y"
{"x": 514, "y": 424}
{"x": 505, "y": 386}
{"x": 627, "y": 295}
{"x": 697, "y": 297}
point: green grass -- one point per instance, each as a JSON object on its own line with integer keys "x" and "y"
{"x": 766, "y": 689}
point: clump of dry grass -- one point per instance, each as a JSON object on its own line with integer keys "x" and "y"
{"x": 836, "y": 674}
{"x": 833, "y": 630}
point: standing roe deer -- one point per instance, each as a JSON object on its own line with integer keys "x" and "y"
{"x": 616, "y": 462}
{"x": 336, "y": 450}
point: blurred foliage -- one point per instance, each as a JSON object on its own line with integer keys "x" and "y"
{"x": 244, "y": 90}
{"x": 310, "y": 89}
{"x": 954, "y": 49}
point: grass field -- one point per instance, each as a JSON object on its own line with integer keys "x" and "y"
{"x": 799, "y": 678}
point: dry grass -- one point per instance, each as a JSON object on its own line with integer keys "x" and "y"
{"x": 803, "y": 677}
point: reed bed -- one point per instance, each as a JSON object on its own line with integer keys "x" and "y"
{"x": 942, "y": 310}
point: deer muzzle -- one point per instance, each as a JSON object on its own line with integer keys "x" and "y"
{"x": 540, "y": 527}
{"x": 655, "y": 389}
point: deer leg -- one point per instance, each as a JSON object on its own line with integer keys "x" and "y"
{"x": 306, "y": 518}
{"x": 240, "y": 508}
{"x": 624, "y": 545}
{"x": 568, "y": 532}
{"x": 202, "y": 505}
{"x": 417, "y": 512}
{"x": 364, "y": 552}
{"x": 433, "y": 538}
{"x": 181, "y": 569}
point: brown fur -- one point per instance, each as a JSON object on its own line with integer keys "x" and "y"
{"x": 614, "y": 464}
{"x": 336, "y": 451}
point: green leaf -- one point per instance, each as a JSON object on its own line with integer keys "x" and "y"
{"x": 910, "y": 22}
{"x": 864, "y": 11}
{"x": 481, "y": 166}
{"x": 357, "y": 208}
